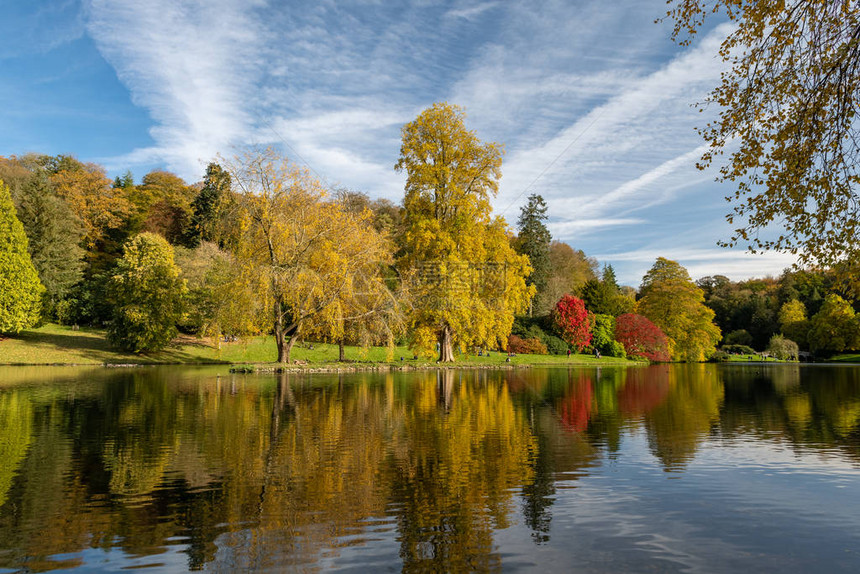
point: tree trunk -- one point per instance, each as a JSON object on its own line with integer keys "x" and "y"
{"x": 280, "y": 341}
{"x": 293, "y": 338}
{"x": 446, "y": 347}
{"x": 341, "y": 357}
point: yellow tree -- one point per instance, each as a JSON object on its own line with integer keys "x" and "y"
{"x": 467, "y": 281}
{"x": 671, "y": 300}
{"x": 368, "y": 311}
{"x": 301, "y": 252}
{"x": 88, "y": 191}
{"x": 788, "y": 102}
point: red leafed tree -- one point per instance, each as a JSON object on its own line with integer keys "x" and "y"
{"x": 641, "y": 337}
{"x": 572, "y": 322}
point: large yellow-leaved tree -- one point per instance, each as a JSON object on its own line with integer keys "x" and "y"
{"x": 466, "y": 281}
{"x": 303, "y": 253}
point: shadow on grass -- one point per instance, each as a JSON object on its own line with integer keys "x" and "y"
{"x": 51, "y": 347}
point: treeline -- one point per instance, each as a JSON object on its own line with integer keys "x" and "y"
{"x": 816, "y": 309}
{"x": 261, "y": 247}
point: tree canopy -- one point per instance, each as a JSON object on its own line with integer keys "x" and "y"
{"x": 787, "y": 102}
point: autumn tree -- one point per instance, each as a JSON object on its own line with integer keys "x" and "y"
{"x": 674, "y": 303}
{"x": 300, "y": 251}
{"x": 368, "y": 310}
{"x": 219, "y": 300}
{"x": 20, "y": 288}
{"x": 570, "y": 269}
{"x": 572, "y": 322}
{"x": 146, "y": 293}
{"x": 99, "y": 206}
{"x": 533, "y": 240}
{"x": 787, "y": 101}
{"x": 793, "y": 321}
{"x": 468, "y": 280}
{"x": 641, "y": 338}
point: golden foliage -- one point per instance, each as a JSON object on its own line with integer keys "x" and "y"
{"x": 789, "y": 100}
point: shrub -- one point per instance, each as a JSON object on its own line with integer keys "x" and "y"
{"x": 616, "y": 349}
{"x": 531, "y": 346}
{"x": 555, "y": 345}
{"x": 782, "y": 348}
{"x": 641, "y": 338}
{"x": 718, "y": 356}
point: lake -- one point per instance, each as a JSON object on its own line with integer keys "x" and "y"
{"x": 669, "y": 468}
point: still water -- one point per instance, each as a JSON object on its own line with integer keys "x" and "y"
{"x": 698, "y": 468}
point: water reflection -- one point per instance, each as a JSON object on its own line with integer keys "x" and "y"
{"x": 419, "y": 471}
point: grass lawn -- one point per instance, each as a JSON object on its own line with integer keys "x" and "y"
{"x": 845, "y": 358}
{"x": 57, "y": 344}
{"x": 752, "y": 359}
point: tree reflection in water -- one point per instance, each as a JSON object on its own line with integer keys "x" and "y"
{"x": 290, "y": 471}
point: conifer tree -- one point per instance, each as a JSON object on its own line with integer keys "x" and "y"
{"x": 20, "y": 288}
{"x": 534, "y": 240}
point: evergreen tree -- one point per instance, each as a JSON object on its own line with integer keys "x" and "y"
{"x": 20, "y": 288}
{"x": 534, "y": 240}
{"x": 208, "y": 205}
{"x": 54, "y": 235}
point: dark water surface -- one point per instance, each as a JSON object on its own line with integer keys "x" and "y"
{"x": 698, "y": 468}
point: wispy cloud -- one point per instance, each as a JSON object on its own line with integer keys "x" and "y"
{"x": 592, "y": 101}
{"x": 194, "y": 66}
{"x": 471, "y": 12}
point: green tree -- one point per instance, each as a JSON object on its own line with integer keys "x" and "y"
{"x": 788, "y": 103}
{"x": 469, "y": 282}
{"x": 54, "y": 236}
{"x": 674, "y": 303}
{"x": 835, "y": 327}
{"x": 20, "y": 288}
{"x": 210, "y": 206}
{"x": 534, "y": 240}
{"x": 146, "y": 292}
{"x": 604, "y": 296}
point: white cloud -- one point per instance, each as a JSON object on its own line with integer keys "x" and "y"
{"x": 471, "y": 12}
{"x": 193, "y": 65}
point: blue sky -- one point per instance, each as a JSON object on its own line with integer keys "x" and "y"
{"x": 591, "y": 99}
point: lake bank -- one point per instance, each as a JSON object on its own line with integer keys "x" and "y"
{"x": 61, "y": 345}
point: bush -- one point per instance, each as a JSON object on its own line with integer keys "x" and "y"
{"x": 616, "y": 349}
{"x": 738, "y": 350}
{"x": 532, "y": 346}
{"x": 718, "y": 356}
{"x": 555, "y": 345}
{"x": 782, "y": 348}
